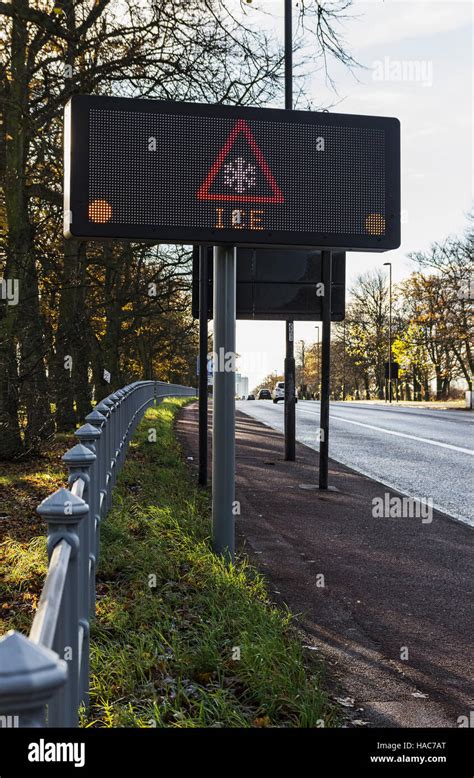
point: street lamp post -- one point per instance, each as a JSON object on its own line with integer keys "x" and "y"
{"x": 316, "y": 327}
{"x": 290, "y": 391}
{"x": 344, "y": 360}
{"x": 390, "y": 334}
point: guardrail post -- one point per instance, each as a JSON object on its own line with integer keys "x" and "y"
{"x": 125, "y": 421}
{"x": 129, "y": 416}
{"x": 120, "y": 428}
{"x": 80, "y": 460}
{"x": 63, "y": 512}
{"x": 97, "y": 420}
{"x": 30, "y": 675}
{"x": 89, "y": 435}
{"x": 115, "y": 424}
{"x": 104, "y": 407}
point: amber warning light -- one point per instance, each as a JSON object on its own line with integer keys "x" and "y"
{"x": 185, "y": 173}
{"x": 100, "y": 211}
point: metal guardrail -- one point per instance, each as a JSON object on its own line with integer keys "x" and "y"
{"x": 44, "y": 678}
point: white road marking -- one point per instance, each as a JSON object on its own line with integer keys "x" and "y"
{"x": 466, "y": 520}
{"x": 468, "y": 451}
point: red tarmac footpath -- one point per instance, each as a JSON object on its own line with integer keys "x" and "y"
{"x": 393, "y": 587}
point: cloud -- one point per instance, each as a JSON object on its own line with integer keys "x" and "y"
{"x": 397, "y": 20}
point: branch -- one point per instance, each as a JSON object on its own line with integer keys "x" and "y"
{"x": 34, "y": 16}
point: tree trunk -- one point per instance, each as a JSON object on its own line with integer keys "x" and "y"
{"x": 380, "y": 388}
{"x": 439, "y": 383}
{"x": 366, "y": 387}
{"x": 426, "y": 389}
{"x": 25, "y": 319}
{"x": 81, "y": 365}
{"x": 416, "y": 387}
{"x": 65, "y": 358}
{"x": 100, "y": 386}
{"x": 113, "y": 314}
{"x": 72, "y": 354}
{"x": 34, "y": 392}
{"x": 11, "y": 445}
{"x": 445, "y": 388}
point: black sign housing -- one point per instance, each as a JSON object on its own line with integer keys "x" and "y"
{"x": 278, "y": 284}
{"x": 192, "y": 173}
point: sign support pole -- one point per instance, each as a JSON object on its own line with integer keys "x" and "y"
{"x": 325, "y": 371}
{"x": 203, "y": 415}
{"x": 290, "y": 407}
{"x": 290, "y": 410}
{"x": 223, "y": 425}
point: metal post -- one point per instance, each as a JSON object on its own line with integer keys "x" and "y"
{"x": 115, "y": 437}
{"x": 390, "y": 334}
{"x": 325, "y": 371}
{"x": 63, "y": 512}
{"x": 103, "y": 410}
{"x": 30, "y": 674}
{"x": 108, "y": 404}
{"x": 121, "y": 423}
{"x": 290, "y": 409}
{"x": 288, "y": 56}
{"x": 223, "y": 426}
{"x": 89, "y": 435}
{"x": 203, "y": 422}
{"x": 316, "y": 327}
{"x": 290, "y": 405}
{"x": 390, "y": 341}
{"x": 80, "y": 461}
{"x": 344, "y": 360}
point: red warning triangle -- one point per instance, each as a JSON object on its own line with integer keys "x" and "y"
{"x": 203, "y": 193}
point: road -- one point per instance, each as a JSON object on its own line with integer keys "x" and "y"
{"x": 390, "y": 585}
{"x": 422, "y": 453}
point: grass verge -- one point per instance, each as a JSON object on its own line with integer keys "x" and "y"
{"x": 173, "y": 620}
{"x": 23, "y": 561}
{"x": 180, "y": 640}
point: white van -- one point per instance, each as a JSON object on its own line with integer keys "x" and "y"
{"x": 278, "y": 391}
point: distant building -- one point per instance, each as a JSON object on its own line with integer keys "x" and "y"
{"x": 241, "y": 385}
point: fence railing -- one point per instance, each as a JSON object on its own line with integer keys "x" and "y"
{"x": 44, "y": 678}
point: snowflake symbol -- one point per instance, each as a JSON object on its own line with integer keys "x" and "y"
{"x": 239, "y": 174}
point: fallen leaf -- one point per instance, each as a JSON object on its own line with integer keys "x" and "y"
{"x": 262, "y": 721}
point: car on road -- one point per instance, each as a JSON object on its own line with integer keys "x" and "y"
{"x": 279, "y": 392}
{"x": 264, "y": 394}
{"x": 251, "y": 397}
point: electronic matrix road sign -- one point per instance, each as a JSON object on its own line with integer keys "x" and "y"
{"x": 278, "y": 284}
{"x": 192, "y": 173}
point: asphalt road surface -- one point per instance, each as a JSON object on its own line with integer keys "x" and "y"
{"x": 391, "y": 585}
{"x": 420, "y": 452}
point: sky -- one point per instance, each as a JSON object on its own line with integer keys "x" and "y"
{"x": 428, "y": 42}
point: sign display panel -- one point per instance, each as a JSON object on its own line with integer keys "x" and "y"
{"x": 276, "y": 284}
{"x": 192, "y": 173}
